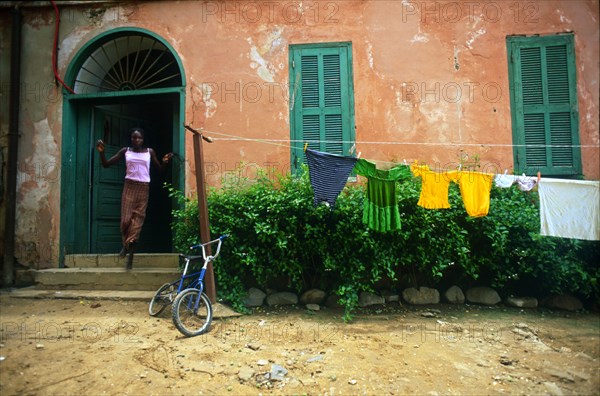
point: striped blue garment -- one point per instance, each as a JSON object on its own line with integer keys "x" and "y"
{"x": 328, "y": 175}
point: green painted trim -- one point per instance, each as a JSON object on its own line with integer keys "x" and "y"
{"x": 179, "y": 143}
{"x": 572, "y": 70}
{"x": 517, "y": 138}
{"x": 295, "y": 146}
{"x": 350, "y": 71}
{"x": 67, "y": 186}
{"x": 321, "y": 45}
{"x": 124, "y": 94}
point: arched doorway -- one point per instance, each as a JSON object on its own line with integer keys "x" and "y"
{"x": 123, "y": 78}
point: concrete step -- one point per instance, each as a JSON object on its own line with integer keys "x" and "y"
{"x": 143, "y": 260}
{"x": 219, "y": 310}
{"x": 104, "y": 278}
{"x": 76, "y": 294}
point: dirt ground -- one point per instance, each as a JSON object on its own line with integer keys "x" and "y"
{"x": 97, "y": 347}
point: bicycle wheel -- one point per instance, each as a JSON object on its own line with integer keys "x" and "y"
{"x": 192, "y": 312}
{"x": 163, "y": 297}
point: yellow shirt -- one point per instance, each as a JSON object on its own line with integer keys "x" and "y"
{"x": 434, "y": 187}
{"x": 475, "y": 190}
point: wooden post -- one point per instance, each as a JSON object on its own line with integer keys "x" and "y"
{"x": 209, "y": 277}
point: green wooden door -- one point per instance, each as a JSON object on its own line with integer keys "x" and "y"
{"x": 544, "y": 105}
{"x": 107, "y": 183}
{"x": 321, "y": 99}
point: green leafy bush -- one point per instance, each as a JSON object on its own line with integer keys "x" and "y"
{"x": 278, "y": 240}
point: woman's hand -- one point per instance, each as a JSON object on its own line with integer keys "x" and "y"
{"x": 167, "y": 157}
{"x": 100, "y": 146}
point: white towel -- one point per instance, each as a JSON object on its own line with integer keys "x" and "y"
{"x": 570, "y": 208}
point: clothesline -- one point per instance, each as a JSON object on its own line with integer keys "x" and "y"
{"x": 279, "y": 142}
{"x": 282, "y": 143}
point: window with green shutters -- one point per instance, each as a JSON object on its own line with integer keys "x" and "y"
{"x": 543, "y": 97}
{"x": 321, "y": 99}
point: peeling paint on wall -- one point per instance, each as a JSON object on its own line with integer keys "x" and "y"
{"x": 474, "y": 36}
{"x": 35, "y": 178}
{"x": 419, "y": 38}
{"x": 563, "y": 18}
{"x": 260, "y": 64}
{"x": 370, "y": 54}
{"x": 266, "y": 70}
{"x": 206, "y": 91}
{"x": 437, "y": 114}
{"x": 70, "y": 44}
{"x": 371, "y": 60}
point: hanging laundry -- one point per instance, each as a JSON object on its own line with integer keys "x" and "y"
{"x": 434, "y": 186}
{"x": 570, "y": 208}
{"x": 526, "y": 183}
{"x": 475, "y": 190}
{"x": 328, "y": 175}
{"x": 505, "y": 180}
{"x": 380, "y": 211}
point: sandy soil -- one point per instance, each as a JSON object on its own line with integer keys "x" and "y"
{"x": 61, "y": 347}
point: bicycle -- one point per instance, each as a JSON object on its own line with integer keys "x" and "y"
{"x": 168, "y": 293}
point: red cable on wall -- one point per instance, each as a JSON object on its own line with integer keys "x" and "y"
{"x": 54, "y": 49}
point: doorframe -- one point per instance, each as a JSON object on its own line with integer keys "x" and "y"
{"x": 73, "y": 104}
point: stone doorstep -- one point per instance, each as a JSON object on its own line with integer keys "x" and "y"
{"x": 75, "y": 294}
{"x": 104, "y": 271}
{"x": 146, "y": 260}
{"x": 219, "y": 310}
{"x": 115, "y": 278}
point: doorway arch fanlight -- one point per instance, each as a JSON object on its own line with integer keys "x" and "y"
{"x": 135, "y": 61}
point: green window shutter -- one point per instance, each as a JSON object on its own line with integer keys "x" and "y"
{"x": 321, "y": 101}
{"x": 544, "y": 105}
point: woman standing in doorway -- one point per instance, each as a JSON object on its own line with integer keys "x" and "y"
{"x": 134, "y": 200}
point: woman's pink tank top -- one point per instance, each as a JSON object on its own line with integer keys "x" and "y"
{"x": 137, "y": 165}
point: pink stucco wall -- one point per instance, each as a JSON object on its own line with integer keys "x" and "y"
{"x": 430, "y": 81}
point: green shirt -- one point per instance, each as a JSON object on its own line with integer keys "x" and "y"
{"x": 380, "y": 211}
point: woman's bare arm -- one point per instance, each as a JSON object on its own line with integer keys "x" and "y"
{"x": 165, "y": 159}
{"x": 112, "y": 160}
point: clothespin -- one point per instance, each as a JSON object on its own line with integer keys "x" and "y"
{"x": 359, "y": 154}
{"x": 539, "y": 176}
{"x": 352, "y": 149}
{"x": 305, "y": 147}
{"x": 405, "y": 163}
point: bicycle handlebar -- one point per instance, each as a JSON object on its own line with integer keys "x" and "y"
{"x": 202, "y": 245}
{"x": 219, "y": 239}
